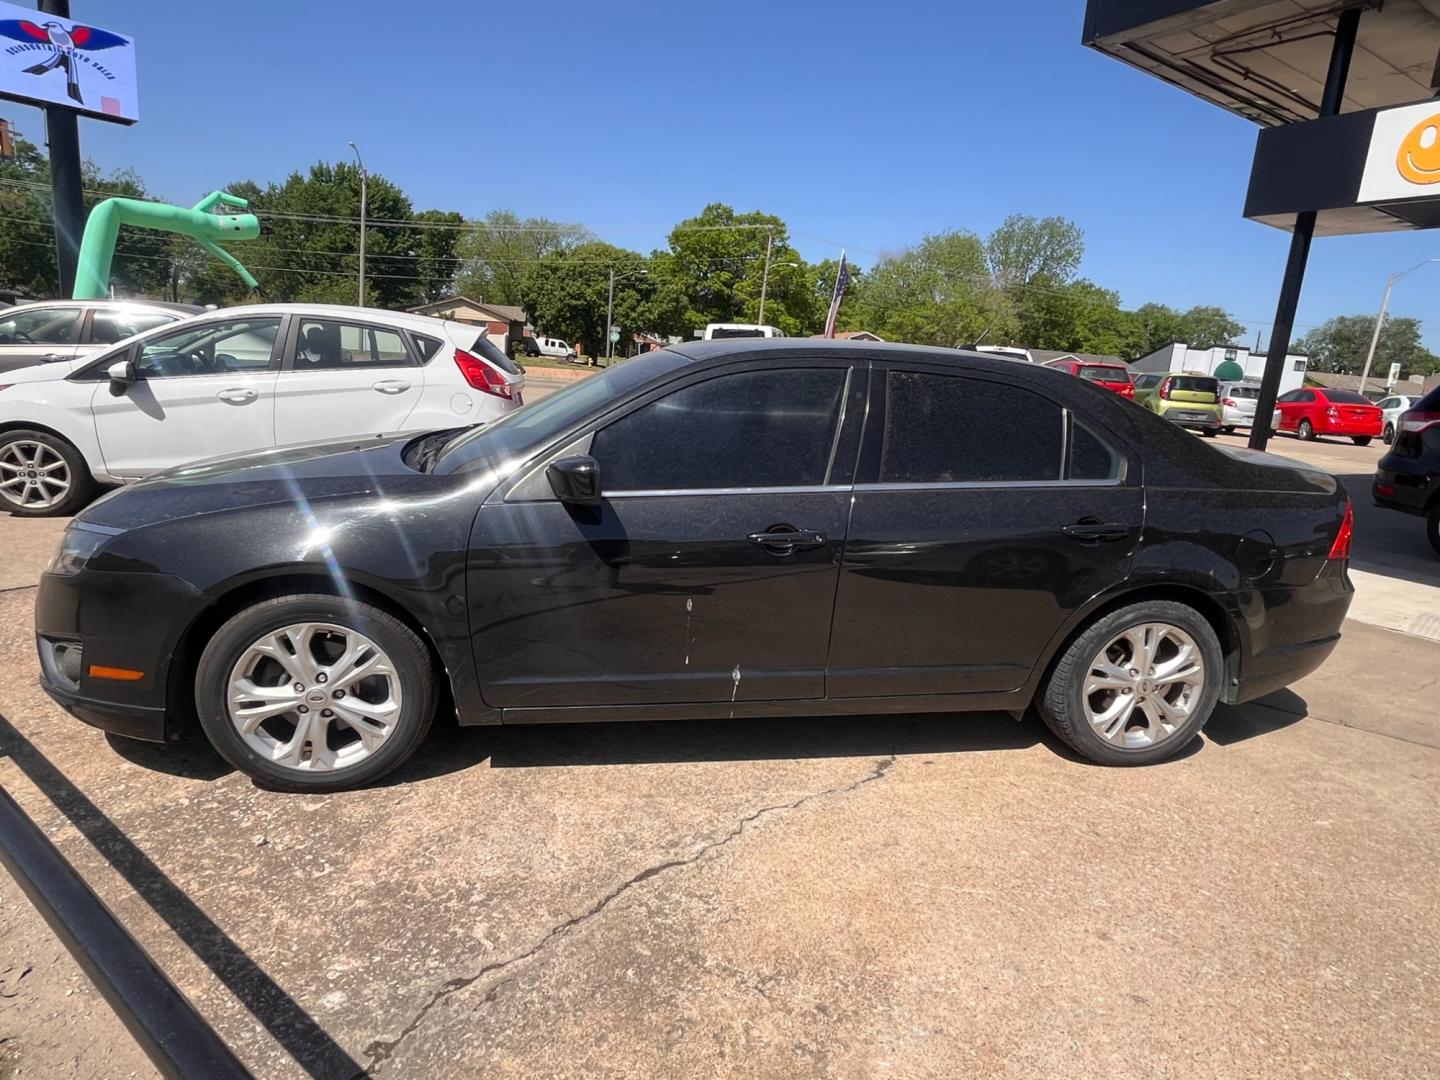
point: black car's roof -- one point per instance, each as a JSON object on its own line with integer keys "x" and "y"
{"x": 760, "y": 348}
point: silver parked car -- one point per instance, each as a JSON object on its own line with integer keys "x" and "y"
{"x": 51, "y": 330}
{"x": 1237, "y": 402}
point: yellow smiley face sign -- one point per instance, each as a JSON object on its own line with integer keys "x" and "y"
{"x": 1419, "y": 156}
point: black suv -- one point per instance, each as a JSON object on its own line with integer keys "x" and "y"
{"x": 1408, "y": 477}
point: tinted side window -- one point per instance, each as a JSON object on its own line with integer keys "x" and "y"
{"x": 108, "y": 327}
{"x": 750, "y": 429}
{"x": 44, "y": 326}
{"x": 324, "y": 343}
{"x": 428, "y": 347}
{"x": 1286, "y": 399}
{"x": 1091, "y": 457}
{"x": 950, "y": 429}
{"x": 210, "y": 348}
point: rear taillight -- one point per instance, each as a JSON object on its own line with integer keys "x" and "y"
{"x": 482, "y": 376}
{"x": 1416, "y": 421}
{"x": 1340, "y": 549}
{"x": 1165, "y": 390}
{"x": 1127, "y": 390}
{"x": 1230, "y": 401}
{"x": 1385, "y": 491}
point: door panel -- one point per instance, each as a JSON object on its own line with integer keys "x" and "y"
{"x": 204, "y": 390}
{"x": 653, "y": 599}
{"x": 985, "y": 515}
{"x": 162, "y": 422}
{"x": 342, "y": 379}
{"x": 957, "y": 591}
{"x": 38, "y": 336}
{"x": 674, "y": 589}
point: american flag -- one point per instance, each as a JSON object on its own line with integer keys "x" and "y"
{"x": 842, "y": 278}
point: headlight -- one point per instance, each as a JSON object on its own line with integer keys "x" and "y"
{"x": 76, "y": 546}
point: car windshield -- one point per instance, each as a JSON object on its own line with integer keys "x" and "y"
{"x": 536, "y": 424}
{"x": 1346, "y": 397}
{"x": 1104, "y": 373}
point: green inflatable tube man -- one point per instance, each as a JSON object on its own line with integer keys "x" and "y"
{"x": 92, "y": 274}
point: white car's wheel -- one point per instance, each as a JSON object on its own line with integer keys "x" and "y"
{"x": 42, "y": 475}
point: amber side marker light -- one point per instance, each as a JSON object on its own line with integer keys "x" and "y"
{"x": 120, "y": 674}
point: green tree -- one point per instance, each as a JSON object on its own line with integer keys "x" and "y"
{"x": 437, "y": 263}
{"x": 936, "y": 293}
{"x": 1340, "y": 345}
{"x": 717, "y": 260}
{"x": 1207, "y": 327}
{"x": 1077, "y": 316}
{"x": 499, "y": 250}
{"x": 565, "y": 295}
{"x": 142, "y": 263}
{"x": 1025, "y": 248}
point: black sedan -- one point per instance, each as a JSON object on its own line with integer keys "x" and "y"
{"x": 1408, "y": 477}
{"x": 758, "y": 528}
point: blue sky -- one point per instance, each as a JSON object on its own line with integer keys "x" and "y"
{"x": 862, "y": 125}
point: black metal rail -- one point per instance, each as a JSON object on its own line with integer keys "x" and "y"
{"x": 173, "y": 1035}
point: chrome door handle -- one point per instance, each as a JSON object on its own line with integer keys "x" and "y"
{"x": 391, "y": 386}
{"x": 239, "y": 395}
{"x": 786, "y": 541}
{"x": 51, "y": 357}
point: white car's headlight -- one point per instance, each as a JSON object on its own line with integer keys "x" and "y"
{"x": 77, "y": 546}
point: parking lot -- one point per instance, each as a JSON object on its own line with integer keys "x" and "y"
{"x": 879, "y": 896}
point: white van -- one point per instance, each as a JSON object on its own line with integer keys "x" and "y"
{"x": 553, "y": 346}
{"x": 717, "y": 331}
{"x": 1007, "y": 352}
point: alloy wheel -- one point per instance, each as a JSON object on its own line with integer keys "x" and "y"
{"x": 33, "y": 474}
{"x": 1144, "y": 685}
{"x": 315, "y": 697}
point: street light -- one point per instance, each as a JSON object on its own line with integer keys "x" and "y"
{"x": 610, "y": 310}
{"x": 1380, "y": 319}
{"x": 363, "y": 183}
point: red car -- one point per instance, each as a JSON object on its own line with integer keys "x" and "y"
{"x": 1312, "y": 412}
{"x": 1110, "y": 376}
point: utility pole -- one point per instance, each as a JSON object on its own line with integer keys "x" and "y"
{"x": 609, "y": 318}
{"x": 62, "y": 133}
{"x": 363, "y": 184}
{"x": 1380, "y": 318}
{"x": 765, "y": 277}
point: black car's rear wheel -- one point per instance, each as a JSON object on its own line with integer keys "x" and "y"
{"x": 315, "y": 693}
{"x": 1137, "y": 685}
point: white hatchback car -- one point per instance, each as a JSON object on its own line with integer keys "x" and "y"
{"x": 1390, "y": 409}
{"x": 238, "y": 380}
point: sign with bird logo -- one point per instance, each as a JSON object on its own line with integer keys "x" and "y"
{"x": 47, "y": 60}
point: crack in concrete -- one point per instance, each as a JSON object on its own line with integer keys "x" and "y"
{"x": 381, "y": 1050}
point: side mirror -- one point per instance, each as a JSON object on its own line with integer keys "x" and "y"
{"x": 575, "y": 480}
{"x": 122, "y": 374}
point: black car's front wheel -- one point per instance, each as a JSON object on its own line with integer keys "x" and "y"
{"x": 315, "y": 693}
{"x": 1136, "y": 685}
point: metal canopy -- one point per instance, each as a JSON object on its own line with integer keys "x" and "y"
{"x": 1267, "y": 61}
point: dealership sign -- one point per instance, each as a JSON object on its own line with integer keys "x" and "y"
{"x": 1373, "y": 170}
{"x": 46, "y": 60}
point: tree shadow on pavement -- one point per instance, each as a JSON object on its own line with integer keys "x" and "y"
{"x": 281, "y": 1015}
{"x": 1232, "y": 724}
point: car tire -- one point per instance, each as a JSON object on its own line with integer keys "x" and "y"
{"x": 1432, "y": 528}
{"x": 1388, "y": 435}
{"x": 1306, "y": 431}
{"x": 1209, "y": 433}
{"x": 1360, "y": 440}
{"x": 242, "y": 654}
{"x": 1230, "y": 430}
{"x": 54, "y": 457}
{"x": 1085, "y": 721}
